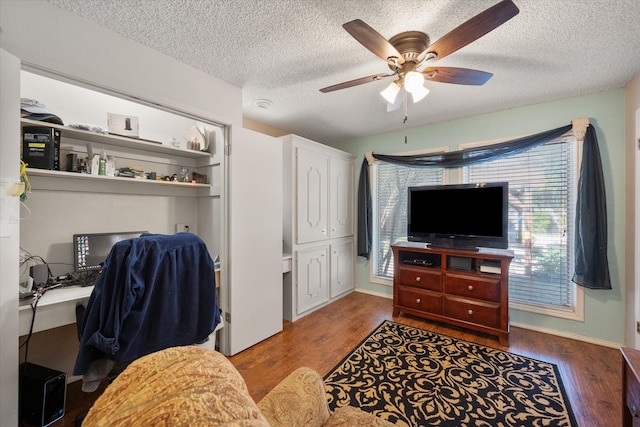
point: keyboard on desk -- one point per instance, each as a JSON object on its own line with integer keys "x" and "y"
{"x": 83, "y": 278}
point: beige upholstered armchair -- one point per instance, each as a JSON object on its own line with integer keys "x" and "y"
{"x": 192, "y": 386}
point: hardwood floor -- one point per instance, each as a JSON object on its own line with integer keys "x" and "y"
{"x": 591, "y": 374}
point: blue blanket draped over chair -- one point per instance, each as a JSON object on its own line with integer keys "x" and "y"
{"x": 154, "y": 292}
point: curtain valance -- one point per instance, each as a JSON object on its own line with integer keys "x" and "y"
{"x": 591, "y": 264}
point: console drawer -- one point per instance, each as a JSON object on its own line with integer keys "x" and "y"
{"x": 417, "y": 299}
{"x": 479, "y": 287}
{"x": 421, "y": 278}
{"x": 478, "y": 312}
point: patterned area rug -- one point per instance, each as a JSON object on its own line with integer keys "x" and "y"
{"x": 413, "y": 377}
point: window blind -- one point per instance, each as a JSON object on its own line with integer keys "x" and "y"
{"x": 542, "y": 198}
{"x": 390, "y": 182}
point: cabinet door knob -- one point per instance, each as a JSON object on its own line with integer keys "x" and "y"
{"x": 470, "y": 312}
{"x": 324, "y": 231}
{"x": 418, "y": 279}
{"x": 470, "y": 287}
{"x": 634, "y": 411}
{"x": 418, "y": 300}
{"x": 333, "y": 229}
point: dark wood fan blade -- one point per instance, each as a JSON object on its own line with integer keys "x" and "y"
{"x": 461, "y": 76}
{"x": 474, "y": 28}
{"x": 373, "y": 41}
{"x": 356, "y": 82}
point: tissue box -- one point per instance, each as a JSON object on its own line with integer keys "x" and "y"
{"x": 119, "y": 124}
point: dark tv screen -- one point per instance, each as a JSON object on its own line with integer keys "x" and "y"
{"x": 464, "y": 216}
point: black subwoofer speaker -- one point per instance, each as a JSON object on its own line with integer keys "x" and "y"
{"x": 42, "y": 394}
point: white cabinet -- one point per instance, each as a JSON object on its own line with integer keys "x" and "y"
{"x": 312, "y": 268}
{"x": 318, "y": 224}
{"x": 342, "y": 267}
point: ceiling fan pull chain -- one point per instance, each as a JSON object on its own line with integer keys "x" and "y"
{"x": 404, "y": 101}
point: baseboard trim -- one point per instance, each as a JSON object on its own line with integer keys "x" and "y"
{"x": 568, "y": 335}
{"x": 530, "y": 327}
{"x": 376, "y": 294}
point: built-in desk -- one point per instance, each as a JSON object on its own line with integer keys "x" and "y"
{"x": 57, "y": 307}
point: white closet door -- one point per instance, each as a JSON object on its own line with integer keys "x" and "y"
{"x": 341, "y": 197}
{"x": 313, "y": 196}
{"x": 254, "y": 223}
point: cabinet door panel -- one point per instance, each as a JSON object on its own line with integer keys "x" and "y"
{"x": 312, "y": 270}
{"x": 312, "y": 196}
{"x": 342, "y": 268}
{"x": 341, "y": 197}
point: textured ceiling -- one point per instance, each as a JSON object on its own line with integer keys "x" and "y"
{"x": 286, "y": 50}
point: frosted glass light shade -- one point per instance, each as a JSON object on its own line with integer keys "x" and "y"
{"x": 418, "y": 93}
{"x": 391, "y": 92}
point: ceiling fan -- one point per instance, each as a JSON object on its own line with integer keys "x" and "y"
{"x": 407, "y": 51}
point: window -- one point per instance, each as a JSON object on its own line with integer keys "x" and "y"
{"x": 389, "y": 199}
{"x": 542, "y": 198}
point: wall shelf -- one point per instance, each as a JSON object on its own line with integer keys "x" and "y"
{"x": 119, "y": 141}
{"x": 120, "y": 180}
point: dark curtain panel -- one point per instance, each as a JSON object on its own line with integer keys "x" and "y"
{"x": 591, "y": 236}
{"x": 592, "y": 266}
{"x": 364, "y": 210}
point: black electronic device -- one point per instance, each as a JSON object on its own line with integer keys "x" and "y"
{"x": 90, "y": 250}
{"x": 42, "y": 394}
{"x": 460, "y": 263}
{"x": 465, "y": 216}
{"x": 41, "y": 147}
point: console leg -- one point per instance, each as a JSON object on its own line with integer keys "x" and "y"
{"x": 504, "y": 339}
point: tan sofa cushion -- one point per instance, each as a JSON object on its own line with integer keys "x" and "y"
{"x": 348, "y": 416}
{"x": 182, "y": 386}
{"x": 298, "y": 400}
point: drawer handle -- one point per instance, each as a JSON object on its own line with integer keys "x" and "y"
{"x": 417, "y": 300}
{"x": 470, "y": 312}
{"x": 470, "y": 288}
{"x": 418, "y": 279}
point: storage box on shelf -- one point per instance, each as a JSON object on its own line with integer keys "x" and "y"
{"x": 318, "y": 224}
{"x": 451, "y": 286}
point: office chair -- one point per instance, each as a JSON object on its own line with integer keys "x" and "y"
{"x": 153, "y": 292}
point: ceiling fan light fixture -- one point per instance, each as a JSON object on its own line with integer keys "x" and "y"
{"x": 418, "y": 93}
{"x": 413, "y": 81}
{"x": 391, "y": 92}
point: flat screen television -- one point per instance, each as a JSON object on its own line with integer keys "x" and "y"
{"x": 463, "y": 216}
{"x": 90, "y": 250}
